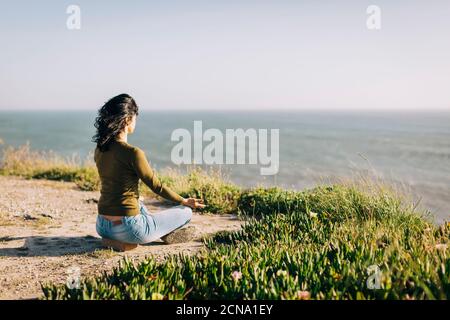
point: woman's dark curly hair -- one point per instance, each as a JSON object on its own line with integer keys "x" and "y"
{"x": 112, "y": 119}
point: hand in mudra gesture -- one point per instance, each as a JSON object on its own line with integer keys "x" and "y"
{"x": 193, "y": 203}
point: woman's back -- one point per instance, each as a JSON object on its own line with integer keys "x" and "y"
{"x": 119, "y": 179}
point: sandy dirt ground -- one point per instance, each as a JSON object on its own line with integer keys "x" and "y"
{"x": 47, "y": 233}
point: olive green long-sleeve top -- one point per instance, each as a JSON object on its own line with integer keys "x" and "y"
{"x": 120, "y": 168}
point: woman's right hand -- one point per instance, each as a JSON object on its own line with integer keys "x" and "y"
{"x": 193, "y": 203}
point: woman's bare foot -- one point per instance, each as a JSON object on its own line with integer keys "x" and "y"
{"x": 184, "y": 234}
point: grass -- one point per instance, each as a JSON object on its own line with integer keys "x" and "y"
{"x": 102, "y": 254}
{"x": 315, "y": 244}
{"x": 5, "y": 220}
{"x": 41, "y": 223}
{"x": 25, "y": 162}
{"x": 220, "y": 195}
{"x": 322, "y": 243}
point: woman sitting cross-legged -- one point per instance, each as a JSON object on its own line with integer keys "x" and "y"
{"x": 122, "y": 217}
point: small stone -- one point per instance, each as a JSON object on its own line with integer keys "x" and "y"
{"x": 185, "y": 234}
{"x": 29, "y": 217}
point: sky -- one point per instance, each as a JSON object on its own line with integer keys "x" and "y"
{"x": 226, "y": 55}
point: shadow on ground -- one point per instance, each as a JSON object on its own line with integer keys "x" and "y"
{"x": 40, "y": 246}
{"x": 35, "y": 246}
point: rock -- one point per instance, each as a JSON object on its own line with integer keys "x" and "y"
{"x": 29, "y": 217}
{"x": 185, "y": 234}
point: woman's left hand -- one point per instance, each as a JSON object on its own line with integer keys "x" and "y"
{"x": 193, "y": 203}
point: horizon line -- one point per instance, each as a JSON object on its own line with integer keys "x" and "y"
{"x": 286, "y": 110}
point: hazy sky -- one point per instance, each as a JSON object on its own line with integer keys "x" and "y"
{"x": 226, "y": 54}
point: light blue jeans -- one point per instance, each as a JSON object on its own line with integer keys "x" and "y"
{"x": 144, "y": 227}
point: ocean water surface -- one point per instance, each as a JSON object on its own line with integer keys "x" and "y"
{"x": 410, "y": 150}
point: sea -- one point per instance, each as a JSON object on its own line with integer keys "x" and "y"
{"x": 407, "y": 150}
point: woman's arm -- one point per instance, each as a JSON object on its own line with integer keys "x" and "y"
{"x": 147, "y": 175}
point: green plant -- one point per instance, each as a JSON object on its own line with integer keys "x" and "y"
{"x": 212, "y": 186}
{"x": 318, "y": 244}
{"x": 22, "y": 161}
